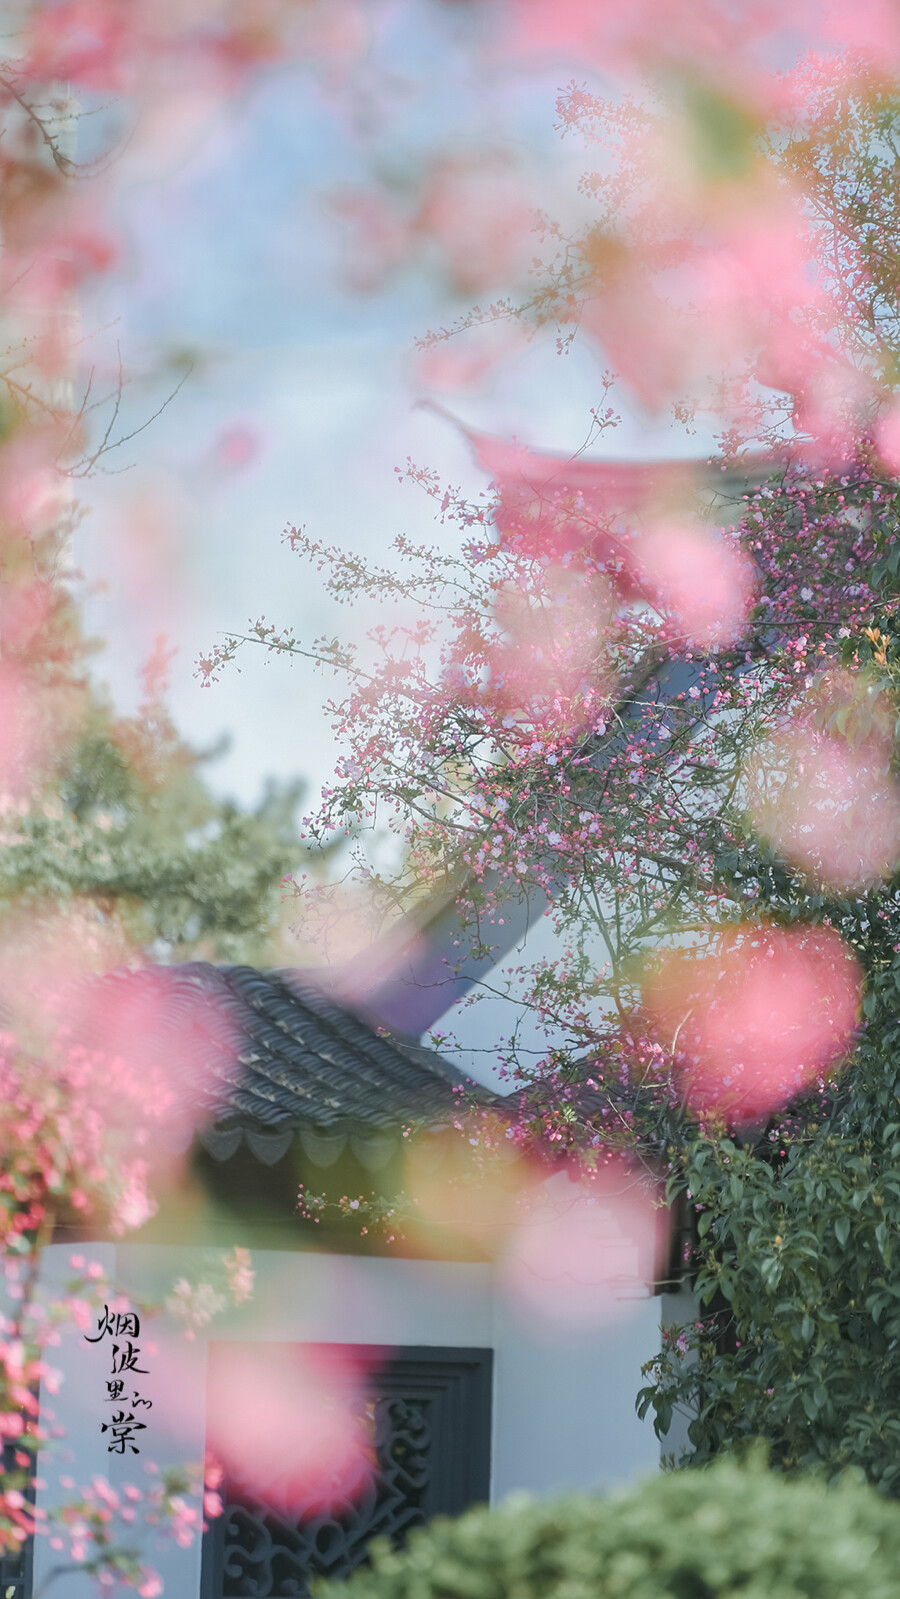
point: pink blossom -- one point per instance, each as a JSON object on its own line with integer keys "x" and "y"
{"x": 240, "y": 1274}
{"x": 549, "y": 660}
{"x": 468, "y": 361}
{"x": 91, "y": 43}
{"x": 237, "y": 447}
{"x": 282, "y": 1421}
{"x": 472, "y": 218}
{"x": 751, "y": 1020}
{"x": 889, "y": 439}
{"x": 383, "y": 237}
{"x": 478, "y": 218}
{"x": 608, "y": 35}
{"x": 160, "y": 1052}
{"x": 584, "y": 1248}
{"x": 740, "y": 295}
{"x": 25, "y": 729}
{"x": 701, "y": 582}
{"x": 33, "y": 489}
{"x": 616, "y": 38}
{"x": 333, "y": 35}
{"x": 831, "y": 808}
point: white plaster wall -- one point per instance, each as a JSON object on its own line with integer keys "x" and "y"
{"x": 75, "y": 1412}
{"x": 79, "y": 1409}
{"x": 563, "y": 1402}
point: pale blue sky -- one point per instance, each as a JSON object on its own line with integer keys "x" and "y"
{"x": 231, "y": 255}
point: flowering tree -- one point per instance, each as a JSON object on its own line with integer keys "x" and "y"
{"x": 681, "y": 735}
{"x": 680, "y": 738}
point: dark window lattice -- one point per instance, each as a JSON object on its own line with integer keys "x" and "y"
{"x": 426, "y": 1428}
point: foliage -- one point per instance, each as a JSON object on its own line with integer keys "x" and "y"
{"x": 795, "y": 1263}
{"x": 127, "y": 824}
{"x": 725, "y": 1531}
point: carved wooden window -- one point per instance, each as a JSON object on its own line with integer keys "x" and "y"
{"x": 427, "y": 1423}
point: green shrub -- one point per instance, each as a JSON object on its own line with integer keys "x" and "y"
{"x": 710, "y": 1533}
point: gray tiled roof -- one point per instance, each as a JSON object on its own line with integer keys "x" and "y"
{"x": 280, "y": 1058}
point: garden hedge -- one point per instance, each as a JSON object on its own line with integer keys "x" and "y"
{"x": 711, "y": 1533}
